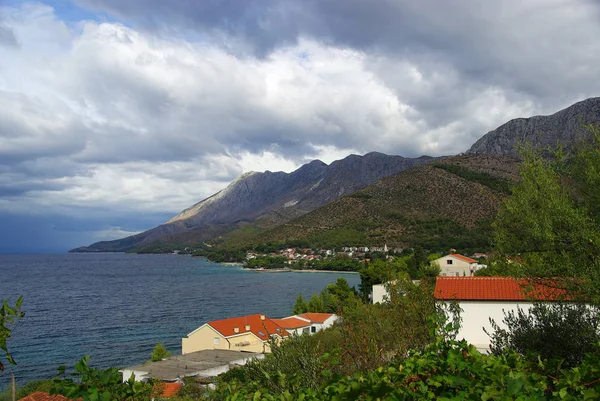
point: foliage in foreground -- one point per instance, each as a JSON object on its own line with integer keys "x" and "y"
{"x": 8, "y": 318}
{"x": 93, "y": 384}
{"x": 445, "y": 370}
{"x": 369, "y": 336}
{"x": 565, "y": 332}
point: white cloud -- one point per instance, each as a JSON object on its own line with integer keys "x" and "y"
{"x": 268, "y": 160}
{"x": 111, "y": 233}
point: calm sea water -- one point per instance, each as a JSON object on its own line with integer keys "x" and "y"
{"x": 116, "y": 307}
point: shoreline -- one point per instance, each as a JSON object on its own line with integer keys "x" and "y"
{"x": 301, "y": 271}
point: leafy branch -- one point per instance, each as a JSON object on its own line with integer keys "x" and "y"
{"x": 8, "y": 319}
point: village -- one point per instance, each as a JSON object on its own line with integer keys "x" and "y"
{"x": 309, "y": 258}
{"x": 309, "y": 254}
{"x": 219, "y": 345}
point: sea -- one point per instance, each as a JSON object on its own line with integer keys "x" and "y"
{"x": 116, "y": 307}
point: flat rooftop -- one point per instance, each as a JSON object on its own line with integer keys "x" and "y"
{"x": 192, "y": 364}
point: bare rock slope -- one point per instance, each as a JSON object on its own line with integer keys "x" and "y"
{"x": 563, "y": 127}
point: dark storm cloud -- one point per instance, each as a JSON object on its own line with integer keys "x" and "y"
{"x": 521, "y": 45}
{"x": 267, "y": 23}
{"x": 20, "y": 188}
{"x": 30, "y": 129}
{"x": 38, "y": 233}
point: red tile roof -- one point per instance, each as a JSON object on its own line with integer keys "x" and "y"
{"x": 316, "y": 317}
{"x": 292, "y": 322}
{"x": 261, "y": 328}
{"x": 170, "y": 389}
{"x": 496, "y": 289}
{"x": 464, "y": 258}
{"x": 43, "y": 396}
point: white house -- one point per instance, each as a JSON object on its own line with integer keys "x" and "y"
{"x": 456, "y": 265}
{"x": 380, "y": 294}
{"x": 249, "y": 333}
{"x": 482, "y": 298}
{"x": 307, "y": 322}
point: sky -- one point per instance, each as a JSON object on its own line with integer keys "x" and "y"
{"x": 116, "y": 115}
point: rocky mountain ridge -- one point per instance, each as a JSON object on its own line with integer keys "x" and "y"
{"x": 563, "y": 127}
{"x": 273, "y": 197}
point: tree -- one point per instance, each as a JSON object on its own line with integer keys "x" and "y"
{"x": 160, "y": 353}
{"x": 374, "y": 273}
{"x": 339, "y": 293}
{"x": 300, "y": 306}
{"x": 316, "y": 304}
{"x": 549, "y": 227}
{"x": 417, "y": 262}
{"x": 8, "y": 318}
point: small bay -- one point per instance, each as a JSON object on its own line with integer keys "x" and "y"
{"x": 116, "y": 307}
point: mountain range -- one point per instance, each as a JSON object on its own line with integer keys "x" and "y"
{"x": 266, "y": 199}
{"x": 373, "y": 198}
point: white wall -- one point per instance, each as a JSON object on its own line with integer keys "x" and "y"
{"x": 322, "y": 326}
{"x": 298, "y": 330}
{"x": 476, "y": 315}
{"x": 138, "y": 375}
{"x": 379, "y": 293}
{"x": 329, "y": 322}
{"x": 458, "y": 267}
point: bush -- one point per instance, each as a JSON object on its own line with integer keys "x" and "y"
{"x": 559, "y": 332}
{"x": 294, "y": 364}
{"x": 159, "y": 353}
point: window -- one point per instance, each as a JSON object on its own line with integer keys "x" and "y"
{"x": 449, "y": 262}
{"x": 313, "y": 329}
{"x": 217, "y": 340}
{"x": 457, "y": 274}
{"x": 260, "y": 333}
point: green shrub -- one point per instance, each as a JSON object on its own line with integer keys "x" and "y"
{"x": 159, "y": 353}
{"x": 562, "y": 332}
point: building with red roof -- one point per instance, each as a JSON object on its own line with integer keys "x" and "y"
{"x": 307, "y": 322}
{"x": 167, "y": 390}
{"x": 456, "y": 265}
{"x": 485, "y": 298}
{"x": 294, "y": 324}
{"x": 43, "y": 396}
{"x": 244, "y": 333}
